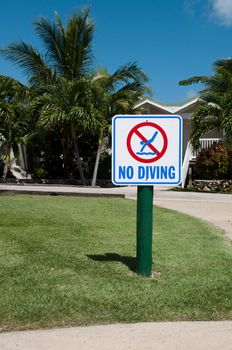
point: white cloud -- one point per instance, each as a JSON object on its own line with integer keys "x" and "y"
{"x": 222, "y": 11}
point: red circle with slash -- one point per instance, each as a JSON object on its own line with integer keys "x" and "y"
{"x": 135, "y": 130}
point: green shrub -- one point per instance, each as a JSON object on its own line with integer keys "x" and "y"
{"x": 213, "y": 163}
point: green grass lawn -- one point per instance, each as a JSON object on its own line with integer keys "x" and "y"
{"x": 69, "y": 261}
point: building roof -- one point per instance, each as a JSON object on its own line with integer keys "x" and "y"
{"x": 168, "y": 108}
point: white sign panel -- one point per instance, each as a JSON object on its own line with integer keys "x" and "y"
{"x": 146, "y": 149}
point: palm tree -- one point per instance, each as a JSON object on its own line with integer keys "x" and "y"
{"x": 215, "y": 107}
{"x": 67, "y": 64}
{"x": 67, "y": 51}
{"x": 67, "y": 54}
{"x": 13, "y": 122}
{"x": 61, "y": 110}
{"x": 115, "y": 94}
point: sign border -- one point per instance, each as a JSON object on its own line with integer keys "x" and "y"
{"x": 144, "y": 116}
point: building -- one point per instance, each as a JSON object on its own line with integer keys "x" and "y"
{"x": 149, "y": 106}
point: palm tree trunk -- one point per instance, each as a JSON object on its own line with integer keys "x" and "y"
{"x": 5, "y": 171}
{"x": 78, "y": 161}
{"x": 7, "y": 164}
{"x": 98, "y": 155}
{"x": 77, "y": 156}
{"x": 22, "y": 156}
{"x": 66, "y": 143}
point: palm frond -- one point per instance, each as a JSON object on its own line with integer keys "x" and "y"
{"x": 194, "y": 80}
{"x": 125, "y": 73}
{"x": 59, "y": 23}
{"x": 54, "y": 41}
{"x": 79, "y": 34}
{"x": 225, "y": 63}
{"x": 27, "y": 58}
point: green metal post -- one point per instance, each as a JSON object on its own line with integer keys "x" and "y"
{"x": 144, "y": 230}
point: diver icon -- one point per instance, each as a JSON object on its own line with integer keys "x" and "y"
{"x": 148, "y": 142}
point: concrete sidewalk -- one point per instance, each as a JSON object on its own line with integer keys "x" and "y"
{"x": 140, "y": 336}
{"x": 61, "y": 190}
{"x": 72, "y": 190}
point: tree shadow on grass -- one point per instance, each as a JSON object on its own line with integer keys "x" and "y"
{"x": 129, "y": 261}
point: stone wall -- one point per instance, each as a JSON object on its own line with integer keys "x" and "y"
{"x": 212, "y": 185}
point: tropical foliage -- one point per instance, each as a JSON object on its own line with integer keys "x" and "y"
{"x": 68, "y": 96}
{"x": 115, "y": 94}
{"x": 14, "y": 118}
{"x": 215, "y": 106}
{"x": 213, "y": 163}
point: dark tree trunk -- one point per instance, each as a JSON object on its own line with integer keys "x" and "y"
{"x": 5, "y": 171}
{"x": 78, "y": 162}
{"x": 68, "y": 157}
{"x": 77, "y": 156}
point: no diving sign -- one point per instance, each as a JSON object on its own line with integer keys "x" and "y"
{"x": 146, "y": 149}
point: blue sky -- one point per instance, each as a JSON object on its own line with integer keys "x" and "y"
{"x": 170, "y": 39}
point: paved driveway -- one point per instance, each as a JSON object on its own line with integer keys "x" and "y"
{"x": 213, "y": 207}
